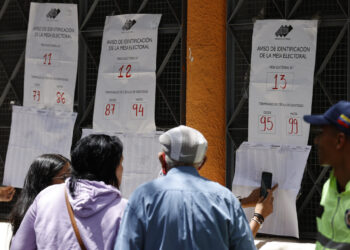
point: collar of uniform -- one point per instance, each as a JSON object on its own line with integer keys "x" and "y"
{"x": 183, "y": 169}
{"x": 333, "y": 184}
{"x": 347, "y": 187}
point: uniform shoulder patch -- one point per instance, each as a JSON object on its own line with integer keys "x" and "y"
{"x": 347, "y": 218}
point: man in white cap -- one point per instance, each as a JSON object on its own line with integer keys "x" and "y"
{"x": 183, "y": 210}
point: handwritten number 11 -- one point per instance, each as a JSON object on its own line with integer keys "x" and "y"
{"x": 47, "y": 58}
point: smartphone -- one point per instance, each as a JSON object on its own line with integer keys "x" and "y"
{"x": 266, "y": 180}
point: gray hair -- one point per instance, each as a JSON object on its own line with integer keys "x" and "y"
{"x": 172, "y": 163}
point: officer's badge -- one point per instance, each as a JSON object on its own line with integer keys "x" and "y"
{"x": 347, "y": 218}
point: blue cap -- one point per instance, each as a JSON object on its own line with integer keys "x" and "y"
{"x": 338, "y": 115}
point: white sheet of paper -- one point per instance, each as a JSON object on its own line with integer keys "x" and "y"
{"x": 279, "y": 243}
{"x": 5, "y": 235}
{"x": 126, "y": 84}
{"x": 140, "y": 153}
{"x": 281, "y": 80}
{"x": 35, "y": 132}
{"x": 51, "y": 56}
{"x": 287, "y": 164}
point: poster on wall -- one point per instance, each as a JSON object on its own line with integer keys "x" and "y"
{"x": 51, "y": 57}
{"x": 140, "y": 154}
{"x": 287, "y": 164}
{"x": 126, "y": 84}
{"x": 35, "y": 132}
{"x": 281, "y": 80}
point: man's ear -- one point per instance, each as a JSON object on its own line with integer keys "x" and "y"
{"x": 203, "y": 162}
{"x": 161, "y": 157}
{"x": 341, "y": 140}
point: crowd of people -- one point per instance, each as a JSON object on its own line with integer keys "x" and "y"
{"x": 77, "y": 204}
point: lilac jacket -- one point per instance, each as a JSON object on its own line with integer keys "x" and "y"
{"x": 97, "y": 207}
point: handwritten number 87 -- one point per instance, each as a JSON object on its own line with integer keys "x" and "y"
{"x": 109, "y": 109}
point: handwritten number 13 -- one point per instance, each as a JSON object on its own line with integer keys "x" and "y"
{"x": 282, "y": 78}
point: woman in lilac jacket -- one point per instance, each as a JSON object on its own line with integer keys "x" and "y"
{"x": 45, "y": 170}
{"x": 93, "y": 195}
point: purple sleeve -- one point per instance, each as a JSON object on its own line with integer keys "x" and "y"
{"x": 25, "y": 236}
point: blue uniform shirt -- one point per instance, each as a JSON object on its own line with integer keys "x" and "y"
{"x": 183, "y": 210}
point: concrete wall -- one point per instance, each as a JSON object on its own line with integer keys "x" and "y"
{"x": 205, "y": 94}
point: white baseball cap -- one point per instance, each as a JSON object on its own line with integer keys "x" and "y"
{"x": 184, "y": 144}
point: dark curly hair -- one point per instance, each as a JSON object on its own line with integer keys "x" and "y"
{"x": 39, "y": 176}
{"x": 96, "y": 157}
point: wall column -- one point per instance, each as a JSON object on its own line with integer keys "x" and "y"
{"x": 206, "y": 79}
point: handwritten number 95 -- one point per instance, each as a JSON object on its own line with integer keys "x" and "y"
{"x": 266, "y": 122}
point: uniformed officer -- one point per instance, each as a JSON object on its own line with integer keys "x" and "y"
{"x": 333, "y": 144}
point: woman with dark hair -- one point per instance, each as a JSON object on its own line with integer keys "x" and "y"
{"x": 46, "y": 170}
{"x": 86, "y": 210}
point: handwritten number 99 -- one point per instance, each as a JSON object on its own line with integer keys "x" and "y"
{"x": 293, "y": 122}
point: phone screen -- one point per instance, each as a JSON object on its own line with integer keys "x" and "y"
{"x": 266, "y": 180}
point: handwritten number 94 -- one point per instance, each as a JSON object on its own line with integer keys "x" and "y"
{"x": 138, "y": 108}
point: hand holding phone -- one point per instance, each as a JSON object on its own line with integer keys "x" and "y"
{"x": 266, "y": 180}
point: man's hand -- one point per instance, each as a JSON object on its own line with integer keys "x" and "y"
{"x": 7, "y": 193}
{"x": 253, "y": 198}
{"x": 265, "y": 206}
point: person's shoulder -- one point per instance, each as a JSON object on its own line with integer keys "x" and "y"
{"x": 51, "y": 191}
{"x": 217, "y": 188}
{"x": 124, "y": 202}
{"x": 221, "y": 192}
{"x": 147, "y": 187}
{"x": 49, "y": 197}
{"x": 145, "y": 190}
